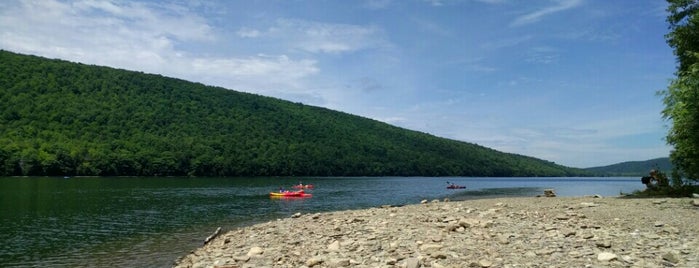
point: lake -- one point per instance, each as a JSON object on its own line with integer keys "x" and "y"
{"x": 150, "y": 222}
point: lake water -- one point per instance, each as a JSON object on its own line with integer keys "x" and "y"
{"x": 150, "y": 222}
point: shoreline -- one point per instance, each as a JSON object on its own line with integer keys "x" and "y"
{"x": 497, "y": 232}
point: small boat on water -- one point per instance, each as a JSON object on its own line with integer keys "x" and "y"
{"x": 303, "y": 186}
{"x": 300, "y": 193}
{"x": 451, "y": 185}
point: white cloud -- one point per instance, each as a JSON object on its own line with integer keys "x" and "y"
{"x": 507, "y": 42}
{"x": 316, "y": 37}
{"x": 542, "y": 55}
{"x": 140, "y": 37}
{"x": 248, "y": 33}
{"x": 561, "y": 5}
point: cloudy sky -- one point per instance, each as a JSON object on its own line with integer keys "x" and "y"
{"x": 569, "y": 81}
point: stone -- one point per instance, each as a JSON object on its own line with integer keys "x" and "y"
{"x": 468, "y": 223}
{"x": 485, "y": 263}
{"x": 314, "y": 261}
{"x": 334, "y": 246}
{"x": 242, "y": 258}
{"x": 339, "y": 263}
{"x": 430, "y": 247}
{"x": 412, "y": 263}
{"x": 549, "y": 193}
{"x": 603, "y": 244}
{"x": 671, "y": 257}
{"x": 588, "y": 204}
{"x": 255, "y": 251}
{"x": 562, "y": 217}
{"x": 606, "y": 256}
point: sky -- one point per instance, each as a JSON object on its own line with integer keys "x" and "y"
{"x": 574, "y": 82}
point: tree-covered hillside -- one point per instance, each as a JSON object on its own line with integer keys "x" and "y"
{"x": 63, "y": 118}
{"x": 633, "y": 168}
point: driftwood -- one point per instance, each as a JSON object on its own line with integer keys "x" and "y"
{"x": 212, "y": 236}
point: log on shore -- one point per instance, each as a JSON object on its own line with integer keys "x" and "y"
{"x": 212, "y": 236}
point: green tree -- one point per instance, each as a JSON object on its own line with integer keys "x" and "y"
{"x": 681, "y": 98}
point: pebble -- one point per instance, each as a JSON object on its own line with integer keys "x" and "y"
{"x": 502, "y": 232}
{"x": 606, "y": 256}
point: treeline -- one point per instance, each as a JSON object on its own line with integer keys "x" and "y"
{"x": 633, "y": 168}
{"x": 60, "y": 118}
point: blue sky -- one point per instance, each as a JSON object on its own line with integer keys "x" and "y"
{"x": 569, "y": 81}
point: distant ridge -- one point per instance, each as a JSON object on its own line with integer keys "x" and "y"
{"x": 633, "y": 168}
{"x": 59, "y": 118}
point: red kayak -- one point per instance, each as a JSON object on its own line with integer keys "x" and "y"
{"x": 290, "y": 194}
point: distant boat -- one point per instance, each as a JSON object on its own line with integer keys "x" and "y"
{"x": 455, "y": 186}
{"x": 303, "y": 186}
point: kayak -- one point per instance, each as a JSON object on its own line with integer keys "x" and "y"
{"x": 302, "y": 186}
{"x": 289, "y": 194}
{"x": 456, "y": 187}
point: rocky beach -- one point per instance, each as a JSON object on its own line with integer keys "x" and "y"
{"x": 501, "y": 232}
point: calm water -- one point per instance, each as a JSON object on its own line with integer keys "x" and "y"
{"x": 150, "y": 222}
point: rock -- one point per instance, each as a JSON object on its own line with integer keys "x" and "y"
{"x": 338, "y": 262}
{"x": 430, "y": 247}
{"x": 314, "y": 261}
{"x": 334, "y": 246}
{"x": 242, "y": 258}
{"x": 588, "y": 204}
{"x": 695, "y": 195}
{"x": 549, "y": 193}
{"x": 606, "y": 256}
{"x": 671, "y": 257}
{"x": 412, "y": 263}
{"x": 569, "y": 233}
{"x": 468, "y": 223}
{"x": 439, "y": 255}
{"x": 562, "y": 217}
{"x": 452, "y": 227}
{"x": 424, "y": 201}
{"x": 658, "y": 224}
{"x": 603, "y": 244}
{"x": 485, "y": 263}
{"x": 296, "y": 215}
{"x": 695, "y": 202}
{"x": 255, "y": 251}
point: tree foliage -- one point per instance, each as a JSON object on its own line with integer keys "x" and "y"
{"x": 681, "y": 98}
{"x": 62, "y": 118}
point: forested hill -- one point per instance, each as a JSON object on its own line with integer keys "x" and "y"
{"x": 62, "y": 118}
{"x": 633, "y": 168}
